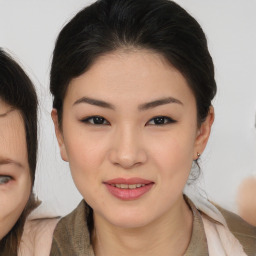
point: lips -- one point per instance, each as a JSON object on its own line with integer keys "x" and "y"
{"x": 128, "y": 189}
{"x": 127, "y": 186}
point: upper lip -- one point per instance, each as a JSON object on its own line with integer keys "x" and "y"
{"x": 130, "y": 181}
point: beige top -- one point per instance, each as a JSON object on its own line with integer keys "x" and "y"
{"x": 71, "y": 236}
{"x": 37, "y": 237}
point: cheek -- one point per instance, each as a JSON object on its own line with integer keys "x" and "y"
{"x": 173, "y": 157}
{"x": 173, "y": 150}
{"x": 85, "y": 155}
{"x": 13, "y": 199}
{"x": 83, "y": 151}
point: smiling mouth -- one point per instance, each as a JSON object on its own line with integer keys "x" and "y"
{"x": 128, "y": 189}
{"x": 128, "y": 186}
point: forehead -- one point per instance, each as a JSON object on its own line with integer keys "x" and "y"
{"x": 12, "y": 134}
{"x": 137, "y": 73}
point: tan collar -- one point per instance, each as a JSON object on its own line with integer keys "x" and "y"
{"x": 198, "y": 242}
{"x": 72, "y": 237}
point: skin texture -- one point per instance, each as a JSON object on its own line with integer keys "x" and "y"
{"x": 14, "y": 193}
{"x": 129, "y": 144}
{"x": 246, "y": 200}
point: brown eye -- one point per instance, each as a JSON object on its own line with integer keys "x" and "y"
{"x": 5, "y": 179}
{"x": 96, "y": 120}
{"x": 160, "y": 120}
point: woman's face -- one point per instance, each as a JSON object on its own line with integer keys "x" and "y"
{"x": 15, "y": 181}
{"x": 130, "y": 135}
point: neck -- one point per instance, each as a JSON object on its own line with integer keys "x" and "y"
{"x": 168, "y": 235}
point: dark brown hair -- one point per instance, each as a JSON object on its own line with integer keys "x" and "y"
{"x": 17, "y": 90}
{"x": 158, "y": 25}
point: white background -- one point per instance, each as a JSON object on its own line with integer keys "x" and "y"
{"x": 28, "y": 29}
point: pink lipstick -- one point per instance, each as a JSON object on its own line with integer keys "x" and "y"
{"x": 128, "y": 189}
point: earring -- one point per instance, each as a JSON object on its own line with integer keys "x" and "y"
{"x": 198, "y": 155}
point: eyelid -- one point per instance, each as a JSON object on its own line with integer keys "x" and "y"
{"x": 86, "y": 120}
{"x": 170, "y": 120}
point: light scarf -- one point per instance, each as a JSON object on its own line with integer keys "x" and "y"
{"x": 220, "y": 240}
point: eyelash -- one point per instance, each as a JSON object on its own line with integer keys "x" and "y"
{"x": 95, "y": 119}
{"x": 99, "y": 120}
{"x": 165, "y": 119}
{"x": 4, "y": 179}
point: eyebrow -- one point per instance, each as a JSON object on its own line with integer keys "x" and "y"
{"x": 9, "y": 161}
{"x": 144, "y": 106}
{"x": 99, "y": 103}
{"x": 159, "y": 102}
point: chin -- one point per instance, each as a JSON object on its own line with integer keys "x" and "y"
{"x": 128, "y": 219}
{"x": 131, "y": 223}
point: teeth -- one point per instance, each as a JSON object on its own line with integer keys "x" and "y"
{"x": 126, "y": 186}
{"x": 140, "y": 185}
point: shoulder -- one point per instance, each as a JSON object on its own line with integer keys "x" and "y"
{"x": 76, "y": 217}
{"x": 71, "y": 235}
{"x": 37, "y": 237}
{"x": 243, "y": 231}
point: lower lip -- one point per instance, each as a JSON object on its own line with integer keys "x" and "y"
{"x": 129, "y": 194}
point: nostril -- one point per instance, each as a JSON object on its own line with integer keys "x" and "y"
{"x": 127, "y": 160}
{"x": 127, "y": 150}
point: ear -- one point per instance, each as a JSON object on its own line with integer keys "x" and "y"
{"x": 59, "y": 135}
{"x": 203, "y": 133}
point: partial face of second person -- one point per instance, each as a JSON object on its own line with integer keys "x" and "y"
{"x": 15, "y": 181}
{"x": 130, "y": 134}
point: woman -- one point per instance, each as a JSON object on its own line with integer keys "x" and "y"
{"x": 18, "y": 150}
{"x": 132, "y": 83}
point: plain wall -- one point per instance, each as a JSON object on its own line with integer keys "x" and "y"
{"x": 28, "y": 29}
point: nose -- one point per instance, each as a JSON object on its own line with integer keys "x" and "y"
{"x": 127, "y": 149}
